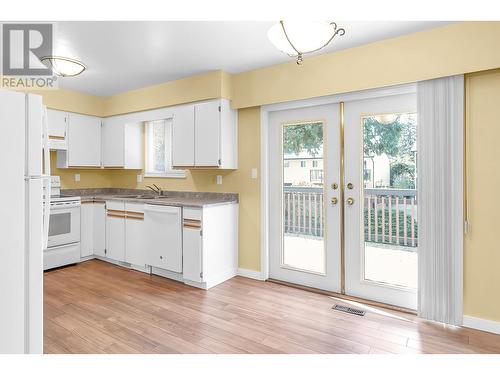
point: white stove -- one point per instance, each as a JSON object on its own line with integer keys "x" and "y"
{"x": 64, "y": 228}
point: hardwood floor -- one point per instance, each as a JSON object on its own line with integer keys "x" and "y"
{"x": 96, "y": 307}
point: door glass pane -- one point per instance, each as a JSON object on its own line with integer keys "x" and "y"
{"x": 303, "y": 225}
{"x": 60, "y": 224}
{"x": 390, "y": 199}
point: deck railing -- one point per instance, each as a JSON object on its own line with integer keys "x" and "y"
{"x": 303, "y": 210}
{"x": 390, "y": 215}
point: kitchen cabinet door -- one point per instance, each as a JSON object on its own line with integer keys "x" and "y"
{"x": 84, "y": 141}
{"x": 134, "y": 145}
{"x": 57, "y": 127}
{"x": 115, "y": 230}
{"x": 86, "y": 230}
{"x": 134, "y": 235}
{"x": 113, "y": 143}
{"x": 207, "y": 134}
{"x": 183, "y": 137}
{"x": 192, "y": 254}
{"x": 122, "y": 143}
{"x": 99, "y": 223}
{"x": 163, "y": 237}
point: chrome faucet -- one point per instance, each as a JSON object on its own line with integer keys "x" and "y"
{"x": 156, "y": 189}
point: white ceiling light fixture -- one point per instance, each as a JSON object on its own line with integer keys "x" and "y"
{"x": 64, "y": 66}
{"x": 299, "y": 38}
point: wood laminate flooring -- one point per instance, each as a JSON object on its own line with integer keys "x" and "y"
{"x": 96, "y": 307}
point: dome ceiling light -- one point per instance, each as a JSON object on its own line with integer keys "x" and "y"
{"x": 299, "y": 38}
{"x": 64, "y": 66}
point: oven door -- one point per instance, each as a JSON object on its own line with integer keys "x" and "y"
{"x": 64, "y": 225}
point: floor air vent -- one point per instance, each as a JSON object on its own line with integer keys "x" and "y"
{"x": 349, "y": 310}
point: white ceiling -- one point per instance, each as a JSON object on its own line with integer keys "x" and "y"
{"x": 123, "y": 56}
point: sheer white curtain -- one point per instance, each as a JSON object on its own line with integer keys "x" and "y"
{"x": 440, "y": 198}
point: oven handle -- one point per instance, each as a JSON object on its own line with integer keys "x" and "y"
{"x": 56, "y": 207}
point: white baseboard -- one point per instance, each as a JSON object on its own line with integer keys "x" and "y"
{"x": 251, "y": 274}
{"x": 481, "y": 324}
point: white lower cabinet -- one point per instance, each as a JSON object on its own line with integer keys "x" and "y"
{"x": 135, "y": 253}
{"x": 163, "y": 237}
{"x": 192, "y": 245}
{"x": 99, "y": 225}
{"x": 196, "y": 245}
{"x": 86, "y": 229}
{"x": 210, "y": 245}
{"x": 115, "y": 230}
{"x": 92, "y": 229}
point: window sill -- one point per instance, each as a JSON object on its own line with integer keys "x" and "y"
{"x": 172, "y": 174}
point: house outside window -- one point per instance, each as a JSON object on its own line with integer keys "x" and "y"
{"x": 316, "y": 175}
{"x": 302, "y": 163}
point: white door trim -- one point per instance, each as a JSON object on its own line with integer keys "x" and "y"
{"x": 264, "y": 149}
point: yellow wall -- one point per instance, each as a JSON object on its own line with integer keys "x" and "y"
{"x": 460, "y": 48}
{"x": 482, "y": 245}
{"x": 73, "y": 101}
{"x": 454, "y": 49}
{"x": 206, "y": 86}
{"x": 88, "y": 177}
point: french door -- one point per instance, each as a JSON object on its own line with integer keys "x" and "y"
{"x": 304, "y": 159}
{"x": 381, "y": 202}
{"x": 343, "y": 199}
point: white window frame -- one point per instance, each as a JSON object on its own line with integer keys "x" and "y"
{"x": 170, "y": 172}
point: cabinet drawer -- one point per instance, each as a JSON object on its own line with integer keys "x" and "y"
{"x": 134, "y": 209}
{"x": 192, "y": 213}
{"x": 115, "y": 205}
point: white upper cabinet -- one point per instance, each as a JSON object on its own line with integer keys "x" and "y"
{"x": 207, "y": 118}
{"x": 84, "y": 142}
{"x": 183, "y": 136}
{"x": 122, "y": 143}
{"x": 209, "y": 140}
{"x": 204, "y": 135}
{"x": 57, "y": 123}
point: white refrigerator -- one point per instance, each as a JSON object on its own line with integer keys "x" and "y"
{"x": 24, "y": 214}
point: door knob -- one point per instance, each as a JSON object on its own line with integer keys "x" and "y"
{"x": 350, "y": 201}
{"x": 334, "y": 200}
{"x": 350, "y": 186}
{"x": 335, "y": 186}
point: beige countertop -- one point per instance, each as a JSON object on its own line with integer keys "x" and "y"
{"x": 168, "y": 198}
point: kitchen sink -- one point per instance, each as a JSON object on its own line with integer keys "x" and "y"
{"x": 142, "y": 196}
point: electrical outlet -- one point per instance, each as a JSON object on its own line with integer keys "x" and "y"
{"x": 254, "y": 173}
{"x": 77, "y": 177}
{"x": 219, "y": 179}
{"x": 139, "y": 178}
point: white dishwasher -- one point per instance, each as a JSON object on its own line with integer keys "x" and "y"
{"x": 163, "y": 229}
